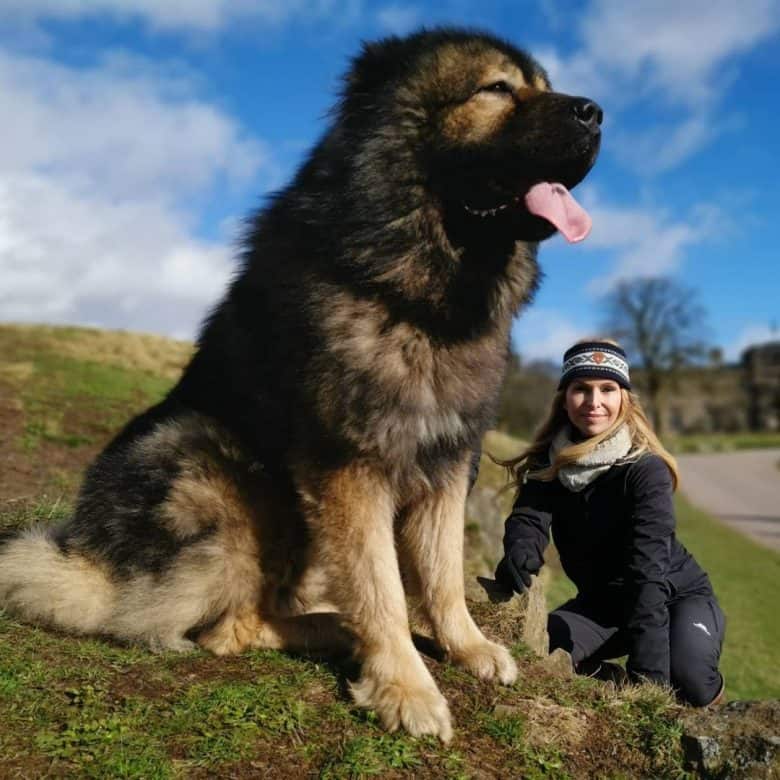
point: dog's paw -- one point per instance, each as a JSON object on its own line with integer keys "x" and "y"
{"x": 488, "y": 661}
{"x": 420, "y": 710}
{"x": 234, "y": 633}
{"x": 171, "y": 644}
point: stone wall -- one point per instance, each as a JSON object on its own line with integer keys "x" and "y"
{"x": 723, "y": 397}
{"x": 761, "y": 367}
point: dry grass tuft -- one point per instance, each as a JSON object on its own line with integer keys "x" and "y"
{"x": 135, "y": 351}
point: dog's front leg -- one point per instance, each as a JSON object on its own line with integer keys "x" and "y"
{"x": 431, "y": 538}
{"x": 351, "y": 514}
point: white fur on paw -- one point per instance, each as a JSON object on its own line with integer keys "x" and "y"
{"x": 419, "y": 710}
{"x": 488, "y": 661}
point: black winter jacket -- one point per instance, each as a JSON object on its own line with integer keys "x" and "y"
{"x": 617, "y": 544}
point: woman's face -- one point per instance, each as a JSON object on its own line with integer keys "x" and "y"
{"x": 592, "y": 404}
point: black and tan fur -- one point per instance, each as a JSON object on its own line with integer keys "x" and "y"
{"x": 318, "y": 444}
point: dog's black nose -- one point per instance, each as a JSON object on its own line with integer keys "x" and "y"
{"x": 588, "y": 113}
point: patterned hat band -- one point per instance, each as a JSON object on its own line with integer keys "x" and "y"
{"x": 595, "y": 359}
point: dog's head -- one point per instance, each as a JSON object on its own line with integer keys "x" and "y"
{"x": 473, "y": 121}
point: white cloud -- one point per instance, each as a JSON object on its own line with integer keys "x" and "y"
{"x": 75, "y": 258}
{"x": 678, "y": 54}
{"x": 192, "y": 15}
{"x": 544, "y": 334}
{"x": 662, "y": 148}
{"x": 398, "y": 19}
{"x": 750, "y": 336}
{"x": 646, "y": 241}
{"x": 676, "y": 46}
{"x": 666, "y": 145}
{"x": 119, "y": 128}
{"x": 98, "y": 171}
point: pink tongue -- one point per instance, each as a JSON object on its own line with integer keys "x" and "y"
{"x": 554, "y": 202}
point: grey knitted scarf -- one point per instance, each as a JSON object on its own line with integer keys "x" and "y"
{"x": 576, "y": 476}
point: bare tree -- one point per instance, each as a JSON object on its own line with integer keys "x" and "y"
{"x": 662, "y": 328}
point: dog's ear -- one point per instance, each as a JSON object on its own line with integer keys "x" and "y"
{"x": 379, "y": 64}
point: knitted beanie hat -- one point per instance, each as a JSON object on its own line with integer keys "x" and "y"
{"x": 595, "y": 359}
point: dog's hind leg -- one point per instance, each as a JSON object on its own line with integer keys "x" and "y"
{"x": 313, "y": 633}
{"x": 351, "y": 513}
{"x": 431, "y": 543}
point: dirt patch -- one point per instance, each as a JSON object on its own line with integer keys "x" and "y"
{"x": 19, "y": 764}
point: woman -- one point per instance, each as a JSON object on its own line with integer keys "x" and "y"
{"x": 597, "y": 475}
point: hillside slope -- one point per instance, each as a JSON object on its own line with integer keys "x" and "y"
{"x": 90, "y": 708}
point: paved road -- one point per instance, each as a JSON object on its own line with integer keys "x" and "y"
{"x": 742, "y": 489}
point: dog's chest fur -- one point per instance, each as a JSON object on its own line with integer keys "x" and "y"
{"x": 392, "y": 389}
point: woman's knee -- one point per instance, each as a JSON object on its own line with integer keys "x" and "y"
{"x": 695, "y": 637}
{"x": 696, "y": 685}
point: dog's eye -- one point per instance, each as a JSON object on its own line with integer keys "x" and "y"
{"x": 497, "y": 86}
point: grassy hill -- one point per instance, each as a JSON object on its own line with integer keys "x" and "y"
{"x": 88, "y": 708}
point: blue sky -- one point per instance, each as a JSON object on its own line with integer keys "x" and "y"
{"x": 136, "y": 135}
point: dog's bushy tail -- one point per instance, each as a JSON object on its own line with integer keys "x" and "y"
{"x": 41, "y": 583}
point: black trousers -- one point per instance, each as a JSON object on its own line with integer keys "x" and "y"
{"x": 696, "y": 630}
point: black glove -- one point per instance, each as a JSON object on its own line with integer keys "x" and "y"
{"x": 514, "y": 570}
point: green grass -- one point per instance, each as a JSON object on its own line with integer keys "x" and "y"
{"x": 647, "y": 722}
{"x": 225, "y": 721}
{"x": 76, "y": 707}
{"x": 104, "y": 740}
{"x": 371, "y": 755}
{"x": 722, "y": 442}
{"x": 558, "y": 588}
{"x": 55, "y": 397}
{"x": 77, "y": 387}
{"x": 746, "y": 579}
{"x": 82, "y": 707}
{"x": 509, "y": 730}
{"x": 533, "y": 762}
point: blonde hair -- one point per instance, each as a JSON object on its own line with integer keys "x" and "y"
{"x": 534, "y": 459}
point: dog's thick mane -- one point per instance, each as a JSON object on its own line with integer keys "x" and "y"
{"x": 353, "y": 217}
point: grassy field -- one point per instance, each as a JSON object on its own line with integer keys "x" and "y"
{"x": 87, "y": 708}
{"x": 746, "y": 579}
{"x": 723, "y": 442}
{"x": 74, "y": 707}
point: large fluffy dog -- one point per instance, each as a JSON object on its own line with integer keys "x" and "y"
{"x": 317, "y": 448}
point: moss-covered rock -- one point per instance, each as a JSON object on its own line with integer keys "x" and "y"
{"x": 740, "y": 740}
